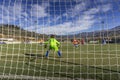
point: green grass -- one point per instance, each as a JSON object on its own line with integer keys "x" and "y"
{"x": 100, "y": 62}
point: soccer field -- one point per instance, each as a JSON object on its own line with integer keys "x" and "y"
{"x": 89, "y": 61}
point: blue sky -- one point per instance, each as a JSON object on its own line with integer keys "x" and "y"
{"x": 60, "y": 17}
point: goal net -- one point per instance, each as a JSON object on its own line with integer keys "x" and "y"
{"x": 59, "y": 40}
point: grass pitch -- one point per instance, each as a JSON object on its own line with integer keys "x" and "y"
{"x": 90, "y": 61}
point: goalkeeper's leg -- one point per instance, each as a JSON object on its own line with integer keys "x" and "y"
{"x": 58, "y": 51}
{"x": 47, "y": 53}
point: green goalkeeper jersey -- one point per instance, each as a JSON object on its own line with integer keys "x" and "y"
{"x": 52, "y": 42}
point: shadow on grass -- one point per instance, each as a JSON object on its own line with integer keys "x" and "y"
{"x": 44, "y": 69}
{"x": 38, "y": 56}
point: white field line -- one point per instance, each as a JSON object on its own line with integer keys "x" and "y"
{"x": 36, "y": 78}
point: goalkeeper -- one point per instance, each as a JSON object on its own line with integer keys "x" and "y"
{"x": 53, "y": 45}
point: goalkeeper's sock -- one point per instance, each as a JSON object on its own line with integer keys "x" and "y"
{"x": 59, "y": 53}
{"x": 47, "y": 53}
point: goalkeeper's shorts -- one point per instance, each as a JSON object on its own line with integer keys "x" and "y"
{"x": 53, "y": 48}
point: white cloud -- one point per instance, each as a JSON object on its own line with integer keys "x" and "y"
{"x": 91, "y": 11}
{"x": 79, "y": 7}
{"x": 77, "y": 1}
{"x": 45, "y": 4}
{"x": 60, "y": 0}
{"x": 67, "y": 27}
{"x": 82, "y": 17}
{"x": 105, "y": 7}
{"x": 39, "y": 10}
{"x": 103, "y": 1}
{"x": 76, "y": 10}
{"x": 84, "y": 21}
{"x": 69, "y": 13}
{"x": 11, "y": 13}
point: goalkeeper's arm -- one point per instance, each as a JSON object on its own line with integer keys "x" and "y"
{"x": 58, "y": 44}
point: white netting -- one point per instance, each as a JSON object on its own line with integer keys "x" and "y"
{"x": 88, "y": 32}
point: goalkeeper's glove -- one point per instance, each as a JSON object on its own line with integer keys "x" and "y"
{"x": 45, "y": 46}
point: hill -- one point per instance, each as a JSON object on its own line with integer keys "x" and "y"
{"x": 113, "y": 32}
{"x": 13, "y": 31}
{"x": 17, "y": 32}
